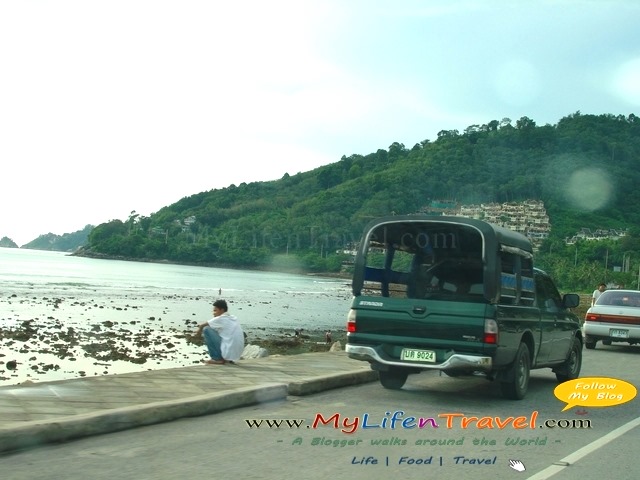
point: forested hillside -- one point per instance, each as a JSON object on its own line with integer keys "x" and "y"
{"x": 584, "y": 169}
{"x": 68, "y": 242}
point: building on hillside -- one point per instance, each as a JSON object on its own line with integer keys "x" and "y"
{"x": 529, "y": 217}
{"x": 593, "y": 235}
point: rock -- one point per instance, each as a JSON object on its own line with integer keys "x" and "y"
{"x": 336, "y": 347}
{"x": 254, "y": 351}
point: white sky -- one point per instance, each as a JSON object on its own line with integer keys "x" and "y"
{"x": 112, "y": 106}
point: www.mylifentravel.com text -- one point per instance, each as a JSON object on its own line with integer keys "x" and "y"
{"x": 400, "y": 420}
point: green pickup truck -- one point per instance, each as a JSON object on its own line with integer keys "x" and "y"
{"x": 461, "y": 296}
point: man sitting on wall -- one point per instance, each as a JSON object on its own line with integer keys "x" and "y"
{"x": 223, "y": 335}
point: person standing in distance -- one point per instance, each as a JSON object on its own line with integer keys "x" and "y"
{"x": 597, "y": 292}
{"x": 223, "y": 335}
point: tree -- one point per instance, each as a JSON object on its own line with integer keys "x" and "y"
{"x": 525, "y": 123}
{"x": 448, "y": 134}
{"x": 492, "y": 126}
{"x": 396, "y": 151}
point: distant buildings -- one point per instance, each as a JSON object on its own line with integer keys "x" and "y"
{"x": 529, "y": 217}
{"x": 599, "y": 234}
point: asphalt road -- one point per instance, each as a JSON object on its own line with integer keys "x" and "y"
{"x": 223, "y": 445}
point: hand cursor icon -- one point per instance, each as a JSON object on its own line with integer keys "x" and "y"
{"x": 517, "y": 465}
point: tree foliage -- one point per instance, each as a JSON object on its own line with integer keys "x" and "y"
{"x": 67, "y": 242}
{"x": 311, "y": 217}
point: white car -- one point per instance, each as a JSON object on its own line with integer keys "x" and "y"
{"x": 615, "y": 317}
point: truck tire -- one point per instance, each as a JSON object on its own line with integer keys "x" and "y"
{"x": 516, "y": 388}
{"x": 570, "y": 369}
{"x": 393, "y": 379}
{"x": 590, "y": 343}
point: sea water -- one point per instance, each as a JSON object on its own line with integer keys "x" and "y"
{"x": 139, "y": 298}
{"x": 297, "y": 301}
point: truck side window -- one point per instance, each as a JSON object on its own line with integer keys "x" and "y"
{"x": 516, "y": 280}
{"x": 548, "y": 297}
{"x": 528, "y": 293}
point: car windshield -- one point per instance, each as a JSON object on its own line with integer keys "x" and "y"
{"x": 620, "y": 299}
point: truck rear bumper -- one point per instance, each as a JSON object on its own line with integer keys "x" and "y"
{"x": 454, "y": 362}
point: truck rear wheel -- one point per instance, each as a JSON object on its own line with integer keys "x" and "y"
{"x": 393, "y": 379}
{"x": 516, "y": 388}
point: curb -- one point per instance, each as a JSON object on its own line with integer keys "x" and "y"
{"x": 23, "y": 435}
{"x": 32, "y": 434}
{"x": 328, "y": 382}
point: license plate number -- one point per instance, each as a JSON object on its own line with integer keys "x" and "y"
{"x": 618, "y": 333}
{"x": 418, "y": 355}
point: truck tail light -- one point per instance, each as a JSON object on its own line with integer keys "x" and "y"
{"x": 490, "y": 331}
{"x": 351, "y": 321}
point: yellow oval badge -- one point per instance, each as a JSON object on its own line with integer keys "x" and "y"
{"x": 594, "y": 392}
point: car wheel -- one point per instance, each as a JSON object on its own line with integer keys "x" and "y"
{"x": 590, "y": 343}
{"x": 571, "y": 367}
{"x": 393, "y": 379}
{"x": 516, "y": 388}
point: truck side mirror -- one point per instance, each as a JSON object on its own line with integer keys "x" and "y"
{"x": 570, "y": 300}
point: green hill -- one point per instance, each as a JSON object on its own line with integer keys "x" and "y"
{"x": 584, "y": 169}
{"x": 6, "y": 242}
{"x": 68, "y": 242}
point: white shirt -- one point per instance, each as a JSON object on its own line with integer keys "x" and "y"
{"x": 232, "y": 336}
{"x": 596, "y": 294}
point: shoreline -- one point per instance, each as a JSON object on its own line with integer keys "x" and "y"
{"x": 101, "y": 256}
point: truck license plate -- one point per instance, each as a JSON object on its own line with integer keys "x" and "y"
{"x": 418, "y": 355}
{"x": 618, "y": 333}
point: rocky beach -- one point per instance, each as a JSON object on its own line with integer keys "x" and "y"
{"x": 63, "y": 317}
{"x": 55, "y": 337}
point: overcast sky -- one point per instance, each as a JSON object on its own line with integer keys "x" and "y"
{"x": 113, "y": 106}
